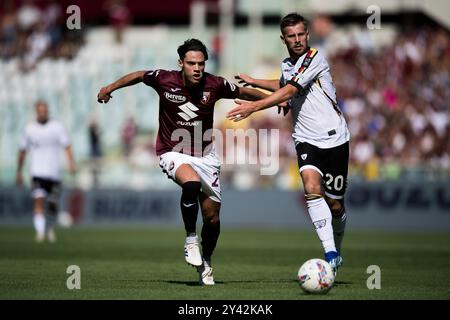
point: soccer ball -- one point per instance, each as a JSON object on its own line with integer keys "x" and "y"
{"x": 315, "y": 276}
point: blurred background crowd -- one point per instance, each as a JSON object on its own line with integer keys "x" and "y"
{"x": 392, "y": 83}
{"x": 31, "y": 32}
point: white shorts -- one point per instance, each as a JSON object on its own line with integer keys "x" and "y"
{"x": 207, "y": 167}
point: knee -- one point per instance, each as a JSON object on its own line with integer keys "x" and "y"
{"x": 312, "y": 188}
{"x": 311, "y": 182}
{"x": 212, "y": 220}
{"x": 211, "y": 215}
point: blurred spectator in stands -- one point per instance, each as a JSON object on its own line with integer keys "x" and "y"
{"x": 119, "y": 17}
{"x": 32, "y": 34}
{"x": 129, "y": 131}
{"x": 321, "y": 27}
{"x": 53, "y": 19}
{"x": 28, "y": 16}
{"x": 217, "y": 47}
{"x": 8, "y": 30}
{"x": 37, "y": 45}
{"x": 395, "y": 101}
{"x": 95, "y": 151}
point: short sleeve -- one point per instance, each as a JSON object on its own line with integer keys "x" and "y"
{"x": 24, "y": 142}
{"x": 63, "y": 136}
{"x": 309, "y": 69}
{"x": 228, "y": 90}
{"x": 151, "y": 77}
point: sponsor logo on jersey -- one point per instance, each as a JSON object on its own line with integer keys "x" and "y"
{"x": 188, "y": 111}
{"x": 303, "y": 156}
{"x": 206, "y": 96}
{"x": 174, "y": 97}
{"x": 188, "y": 124}
{"x": 175, "y": 89}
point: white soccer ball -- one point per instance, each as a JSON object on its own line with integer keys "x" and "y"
{"x": 315, "y": 276}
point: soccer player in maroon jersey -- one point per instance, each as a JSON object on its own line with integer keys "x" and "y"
{"x": 186, "y": 108}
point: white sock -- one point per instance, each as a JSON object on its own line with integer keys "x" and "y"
{"x": 338, "y": 230}
{"x": 39, "y": 223}
{"x": 192, "y": 238}
{"x": 320, "y": 215}
{"x": 207, "y": 262}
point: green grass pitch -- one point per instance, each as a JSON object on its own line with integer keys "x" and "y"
{"x": 148, "y": 263}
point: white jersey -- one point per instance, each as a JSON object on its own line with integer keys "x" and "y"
{"x": 44, "y": 143}
{"x": 316, "y": 116}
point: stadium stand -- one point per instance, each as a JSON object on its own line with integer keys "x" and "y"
{"x": 393, "y": 90}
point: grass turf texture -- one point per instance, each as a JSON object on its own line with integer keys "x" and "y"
{"x": 148, "y": 263}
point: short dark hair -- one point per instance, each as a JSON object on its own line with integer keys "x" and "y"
{"x": 292, "y": 19}
{"x": 192, "y": 45}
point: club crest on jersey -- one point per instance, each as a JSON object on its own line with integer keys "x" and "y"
{"x": 176, "y": 98}
{"x": 307, "y": 62}
{"x": 303, "y": 156}
{"x": 206, "y": 96}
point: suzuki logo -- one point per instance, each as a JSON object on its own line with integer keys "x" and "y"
{"x": 188, "y": 111}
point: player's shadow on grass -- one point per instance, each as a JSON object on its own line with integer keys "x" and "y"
{"x": 195, "y": 283}
{"x": 188, "y": 283}
{"x": 338, "y": 283}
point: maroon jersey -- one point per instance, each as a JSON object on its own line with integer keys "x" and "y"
{"x": 185, "y": 114}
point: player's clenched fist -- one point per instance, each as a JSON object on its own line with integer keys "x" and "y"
{"x": 104, "y": 95}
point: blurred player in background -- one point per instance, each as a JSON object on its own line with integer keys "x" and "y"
{"x": 43, "y": 139}
{"x": 186, "y": 110}
{"x": 320, "y": 133}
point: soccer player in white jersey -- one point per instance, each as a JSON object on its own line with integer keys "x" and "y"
{"x": 43, "y": 139}
{"x": 320, "y": 131}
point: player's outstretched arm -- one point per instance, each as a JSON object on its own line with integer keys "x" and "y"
{"x": 246, "y": 80}
{"x": 128, "y": 80}
{"x": 251, "y": 94}
{"x": 245, "y": 109}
